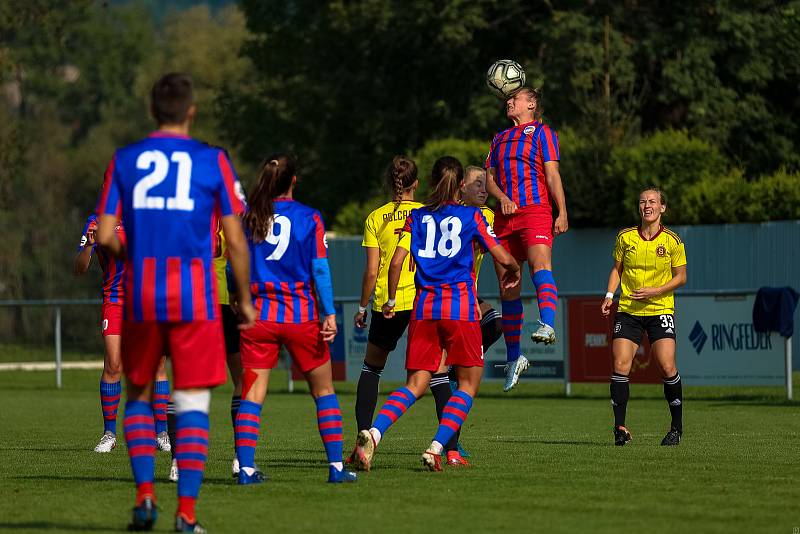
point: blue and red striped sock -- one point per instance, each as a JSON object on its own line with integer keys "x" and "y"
{"x": 547, "y": 295}
{"x": 160, "y": 400}
{"x": 512, "y": 327}
{"x": 245, "y": 430}
{"x": 453, "y": 416}
{"x": 140, "y": 436}
{"x": 191, "y": 451}
{"x": 396, "y": 405}
{"x": 110, "y": 393}
{"x": 329, "y": 422}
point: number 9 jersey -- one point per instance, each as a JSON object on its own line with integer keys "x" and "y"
{"x": 441, "y": 243}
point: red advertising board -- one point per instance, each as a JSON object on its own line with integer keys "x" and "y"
{"x": 590, "y": 345}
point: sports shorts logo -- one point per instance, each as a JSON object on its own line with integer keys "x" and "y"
{"x": 661, "y": 251}
{"x": 528, "y": 130}
{"x": 105, "y": 325}
{"x": 617, "y": 327}
{"x": 543, "y": 237}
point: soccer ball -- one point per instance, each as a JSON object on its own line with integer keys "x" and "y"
{"x": 505, "y": 77}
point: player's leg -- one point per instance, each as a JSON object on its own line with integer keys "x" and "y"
{"x": 661, "y": 331}
{"x": 230, "y": 331}
{"x": 512, "y": 319}
{"x": 110, "y": 391}
{"x": 160, "y": 401}
{"x": 540, "y": 261}
{"x": 368, "y": 382}
{"x": 440, "y": 389}
{"x": 626, "y": 338}
{"x": 491, "y": 325}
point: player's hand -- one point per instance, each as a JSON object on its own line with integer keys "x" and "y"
{"x": 388, "y": 311}
{"x": 605, "y": 307}
{"x": 328, "y": 328}
{"x": 507, "y": 206}
{"x": 561, "y": 225}
{"x": 644, "y": 293}
{"x": 247, "y": 315}
{"x": 90, "y": 237}
{"x": 510, "y": 279}
{"x": 233, "y": 302}
{"x": 360, "y": 320}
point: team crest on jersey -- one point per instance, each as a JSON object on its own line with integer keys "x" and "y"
{"x": 661, "y": 251}
{"x": 528, "y": 130}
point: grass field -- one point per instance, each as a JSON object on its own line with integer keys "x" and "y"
{"x": 542, "y": 463}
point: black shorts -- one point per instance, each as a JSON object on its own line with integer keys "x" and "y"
{"x": 632, "y": 327}
{"x": 230, "y": 329}
{"x": 385, "y": 333}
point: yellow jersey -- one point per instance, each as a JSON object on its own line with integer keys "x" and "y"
{"x": 647, "y": 263}
{"x": 220, "y": 261}
{"x": 489, "y": 215}
{"x": 382, "y": 230}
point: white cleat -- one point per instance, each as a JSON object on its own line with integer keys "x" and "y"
{"x": 163, "y": 442}
{"x": 173, "y": 471}
{"x": 545, "y": 334}
{"x": 365, "y": 450}
{"x": 235, "y": 467}
{"x": 107, "y": 442}
{"x": 513, "y": 372}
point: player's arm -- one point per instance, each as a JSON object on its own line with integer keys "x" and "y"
{"x": 107, "y": 235}
{"x": 368, "y": 281}
{"x": 556, "y": 188}
{"x": 614, "y": 278}
{"x": 507, "y": 206}
{"x": 84, "y": 256}
{"x": 678, "y": 280}
{"x": 239, "y": 258}
{"x": 395, "y": 269}
{"x": 321, "y": 272}
{"x": 511, "y": 276}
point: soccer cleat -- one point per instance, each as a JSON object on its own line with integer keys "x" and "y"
{"x": 183, "y": 525}
{"x": 144, "y": 515}
{"x": 432, "y": 461}
{"x": 462, "y": 451}
{"x": 513, "y": 370}
{"x": 454, "y": 459}
{"x": 545, "y": 334}
{"x": 235, "y": 467}
{"x": 173, "y": 471}
{"x": 365, "y": 450}
{"x": 107, "y": 442}
{"x": 672, "y": 438}
{"x": 336, "y": 476}
{"x": 162, "y": 440}
{"x": 621, "y": 436}
{"x": 256, "y": 478}
{"x": 352, "y": 458}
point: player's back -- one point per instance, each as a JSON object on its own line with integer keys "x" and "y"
{"x": 281, "y": 265}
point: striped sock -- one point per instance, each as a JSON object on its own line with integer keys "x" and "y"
{"x": 248, "y": 422}
{"x": 140, "y": 437}
{"x": 512, "y": 327}
{"x": 110, "y": 393}
{"x": 453, "y": 416}
{"x": 329, "y": 422}
{"x": 160, "y": 400}
{"x": 191, "y": 451}
{"x": 396, "y": 405}
{"x": 547, "y": 295}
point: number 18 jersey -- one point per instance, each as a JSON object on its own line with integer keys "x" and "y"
{"x": 441, "y": 243}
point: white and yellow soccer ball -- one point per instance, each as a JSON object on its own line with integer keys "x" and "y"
{"x": 505, "y": 77}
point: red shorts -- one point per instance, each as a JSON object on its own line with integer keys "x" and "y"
{"x": 197, "y": 350}
{"x": 528, "y": 226}
{"x": 427, "y": 338}
{"x": 259, "y": 346}
{"x": 111, "y": 323}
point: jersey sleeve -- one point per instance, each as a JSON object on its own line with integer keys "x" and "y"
{"x": 370, "y": 233}
{"x": 485, "y": 235}
{"x": 110, "y": 200}
{"x": 678, "y": 255}
{"x": 548, "y": 140}
{"x": 491, "y": 158}
{"x": 404, "y": 241}
{"x": 320, "y": 243}
{"x": 230, "y": 194}
{"x": 619, "y": 249}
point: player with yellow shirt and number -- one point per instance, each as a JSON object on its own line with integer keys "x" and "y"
{"x": 650, "y": 264}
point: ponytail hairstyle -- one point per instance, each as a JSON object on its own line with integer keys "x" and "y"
{"x": 400, "y": 175}
{"x": 275, "y": 179}
{"x": 446, "y": 179}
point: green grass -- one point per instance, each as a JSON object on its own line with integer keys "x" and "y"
{"x": 541, "y": 463}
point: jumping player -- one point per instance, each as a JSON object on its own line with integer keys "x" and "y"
{"x": 288, "y": 261}
{"x": 650, "y": 264}
{"x": 166, "y": 187}
{"x": 440, "y": 237}
{"x": 111, "y": 328}
{"x": 524, "y": 175}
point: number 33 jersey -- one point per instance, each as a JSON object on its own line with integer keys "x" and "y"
{"x": 281, "y": 265}
{"x": 441, "y": 243}
{"x": 166, "y": 188}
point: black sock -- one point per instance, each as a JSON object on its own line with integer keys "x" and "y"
{"x": 171, "y": 426}
{"x": 236, "y": 400}
{"x": 367, "y": 395}
{"x": 673, "y": 392}
{"x": 440, "y": 388}
{"x": 620, "y": 391}
{"x": 491, "y": 328}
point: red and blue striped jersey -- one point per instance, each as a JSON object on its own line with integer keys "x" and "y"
{"x": 441, "y": 243}
{"x": 517, "y": 156}
{"x": 113, "y": 269}
{"x": 281, "y": 265}
{"x": 166, "y": 188}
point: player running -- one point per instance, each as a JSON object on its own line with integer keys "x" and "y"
{"x": 440, "y": 238}
{"x": 289, "y": 259}
{"x": 524, "y": 175}
{"x": 650, "y": 263}
{"x": 111, "y": 329}
{"x": 167, "y": 187}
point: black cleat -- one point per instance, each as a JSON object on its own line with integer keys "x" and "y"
{"x": 144, "y": 516}
{"x": 672, "y": 438}
{"x": 182, "y": 525}
{"x": 621, "y": 436}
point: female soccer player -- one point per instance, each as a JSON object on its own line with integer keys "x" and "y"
{"x": 524, "y": 175}
{"x": 650, "y": 263}
{"x": 288, "y": 260}
{"x": 440, "y": 238}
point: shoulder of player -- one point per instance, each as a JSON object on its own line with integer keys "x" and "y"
{"x": 670, "y": 234}
{"x": 626, "y": 231}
